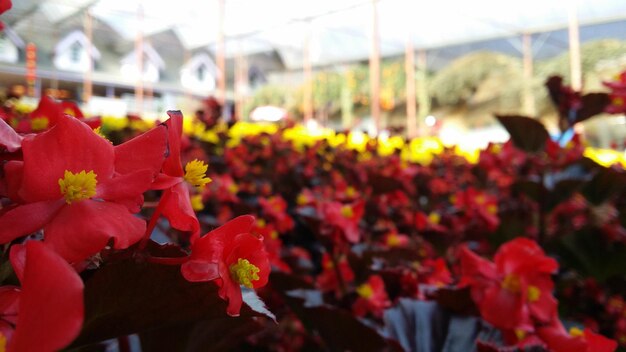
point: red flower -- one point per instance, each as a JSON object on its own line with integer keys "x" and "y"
{"x": 273, "y": 244}
{"x": 46, "y": 314}
{"x": 328, "y": 280}
{"x": 67, "y": 185}
{"x": 175, "y": 203}
{"x": 480, "y": 205}
{"x": 5, "y": 5}
{"x": 343, "y": 217}
{"x": 232, "y": 256}
{"x": 516, "y": 288}
{"x": 431, "y": 222}
{"x": 393, "y": 239}
{"x": 276, "y": 208}
{"x": 372, "y": 297}
{"x": 617, "y": 95}
{"x": 577, "y": 340}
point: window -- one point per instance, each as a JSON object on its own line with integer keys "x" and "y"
{"x": 201, "y": 72}
{"x": 75, "y": 52}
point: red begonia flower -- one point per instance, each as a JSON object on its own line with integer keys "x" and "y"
{"x": 372, "y": 298}
{"x": 343, "y": 217}
{"x": 232, "y": 256}
{"x": 68, "y": 186}
{"x": 46, "y": 313}
{"x": 514, "y": 289}
{"x": 617, "y": 95}
{"x": 5, "y": 5}
{"x": 576, "y": 340}
{"x": 276, "y": 208}
{"x": 327, "y": 280}
{"x": 175, "y": 203}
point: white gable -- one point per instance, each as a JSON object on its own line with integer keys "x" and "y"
{"x": 10, "y": 43}
{"x": 74, "y": 52}
{"x": 199, "y": 73}
{"x": 152, "y": 65}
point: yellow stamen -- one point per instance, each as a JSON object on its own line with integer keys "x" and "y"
{"x": 576, "y": 332}
{"x": 480, "y": 199}
{"x": 195, "y": 173}
{"x": 3, "y": 342}
{"x": 393, "y": 240}
{"x": 346, "y": 211}
{"x": 511, "y": 283}
{"x": 196, "y": 202}
{"x": 492, "y": 209}
{"x": 244, "y": 273}
{"x": 233, "y": 189}
{"x": 260, "y": 223}
{"x": 533, "y": 293}
{"x": 434, "y": 218}
{"x": 520, "y": 334}
{"x": 274, "y": 234}
{"x": 39, "y": 123}
{"x": 79, "y": 186}
{"x": 365, "y": 291}
{"x": 302, "y": 199}
{"x": 617, "y": 101}
{"x": 350, "y": 192}
{"x": 70, "y": 112}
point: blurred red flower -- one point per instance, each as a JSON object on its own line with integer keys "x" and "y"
{"x": 372, "y": 298}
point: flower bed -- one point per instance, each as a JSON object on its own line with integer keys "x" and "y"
{"x": 117, "y": 228}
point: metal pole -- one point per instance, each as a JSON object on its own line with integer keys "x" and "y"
{"x": 87, "y": 78}
{"x": 411, "y": 97}
{"x": 221, "y": 53}
{"x": 527, "y": 53}
{"x": 375, "y": 68}
{"x": 307, "y": 103}
{"x": 139, "y": 57}
{"x": 574, "y": 47}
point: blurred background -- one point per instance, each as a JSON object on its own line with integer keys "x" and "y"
{"x": 439, "y": 68}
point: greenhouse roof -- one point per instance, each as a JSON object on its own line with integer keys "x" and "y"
{"x": 339, "y": 30}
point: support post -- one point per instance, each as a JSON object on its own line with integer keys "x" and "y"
{"x": 87, "y": 78}
{"x": 374, "y": 66}
{"x": 411, "y": 97}
{"x": 139, "y": 57}
{"x": 528, "y": 97}
{"x": 307, "y": 103}
{"x": 574, "y": 47}
{"x": 221, "y": 53}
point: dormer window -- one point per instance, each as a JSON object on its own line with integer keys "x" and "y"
{"x": 75, "y": 52}
{"x": 201, "y": 72}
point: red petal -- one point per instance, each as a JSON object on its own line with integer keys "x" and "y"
{"x": 70, "y": 145}
{"x": 26, "y": 219}
{"x": 178, "y": 210}
{"x": 199, "y": 270}
{"x": 172, "y": 165}
{"x": 146, "y": 151}
{"x": 13, "y": 171}
{"x": 83, "y": 229}
{"x": 9, "y": 138}
{"x": 502, "y": 309}
{"x": 164, "y": 181}
{"x": 126, "y": 186}
{"x": 51, "y": 304}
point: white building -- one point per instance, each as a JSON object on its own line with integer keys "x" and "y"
{"x": 74, "y": 52}
{"x": 152, "y": 65}
{"x": 10, "y": 45}
{"x": 199, "y": 74}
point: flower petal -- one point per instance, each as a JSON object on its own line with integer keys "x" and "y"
{"x": 146, "y": 151}
{"x": 26, "y": 219}
{"x": 69, "y": 145}
{"x": 84, "y": 228}
{"x": 51, "y": 306}
{"x": 178, "y": 210}
{"x": 172, "y": 165}
{"x": 9, "y": 138}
